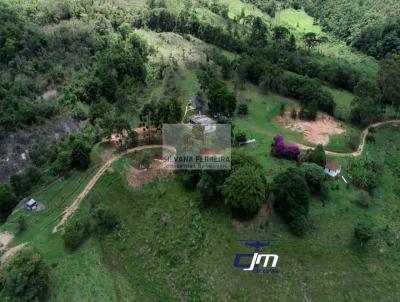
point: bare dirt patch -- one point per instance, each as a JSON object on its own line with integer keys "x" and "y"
{"x": 317, "y": 132}
{"x": 10, "y": 252}
{"x": 5, "y": 239}
{"x": 140, "y": 177}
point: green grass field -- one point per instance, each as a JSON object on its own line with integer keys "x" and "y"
{"x": 170, "y": 247}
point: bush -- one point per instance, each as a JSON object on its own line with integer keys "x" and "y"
{"x": 240, "y": 137}
{"x": 354, "y": 141}
{"x": 291, "y": 198}
{"x": 8, "y": 200}
{"x": 370, "y": 138}
{"x": 104, "y": 220}
{"x": 363, "y": 232}
{"x": 243, "y": 109}
{"x": 362, "y": 198}
{"x": 282, "y": 150}
{"x": 75, "y": 233}
{"x": 314, "y": 175}
{"x": 25, "y": 277}
{"x": 318, "y": 156}
{"x": 244, "y": 191}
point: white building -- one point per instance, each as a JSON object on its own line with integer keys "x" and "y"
{"x": 332, "y": 169}
{"x": 31, "y": 204}
{"x": 205, "y": 121}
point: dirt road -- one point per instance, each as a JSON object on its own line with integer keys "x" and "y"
{"x": 360, "y": 149}
{"x": 75, "y": 205}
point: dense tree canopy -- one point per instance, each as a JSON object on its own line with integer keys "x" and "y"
{"x": 291, "y": 198}
{"x": 244, "y": 190}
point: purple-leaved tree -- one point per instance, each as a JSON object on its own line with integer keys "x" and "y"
{"x": 282, "y": 150}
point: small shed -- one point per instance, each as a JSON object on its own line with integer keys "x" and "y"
{"x": 31, "y": 204}
{"x": 332, "y": 169}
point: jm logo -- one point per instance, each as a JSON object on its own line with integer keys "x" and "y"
{"x": 260, "y": 263}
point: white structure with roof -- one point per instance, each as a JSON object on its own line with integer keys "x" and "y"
{"x": 207, "y": 122}
{"x": 332, "y": 169}
{"x": 31, "y": 204}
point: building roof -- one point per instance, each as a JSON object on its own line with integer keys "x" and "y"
{"x": 331, "y": 165}
{"x": 201, "y": 119}
{"x": 31, "y": 202}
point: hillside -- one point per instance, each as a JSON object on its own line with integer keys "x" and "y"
{"x": 86, "y": 88}
{"x": 372, "y": 26}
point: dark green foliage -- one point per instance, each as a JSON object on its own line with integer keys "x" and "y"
{"x": 370, "y": 138}
{"x": 366, "y": 103}
{"x": 362, "y": 198}
{"x": 243, "y": 109}
{"x": 80, "y": 154}
{"x": 314, "y": 176}
{"x": 244, "y": 190}
{"x": 293, "y": 113}
{"x": 381, "y": 40}
{"x": 221, "y": 100}
{"x": 363, "y": 232}
{"x": 104, "y": 219}
{"x": 75, "y": 233}
{"x": 366, "y": 22}
{"x": 291, "y": 199}
{"x": 8, "y": 200}
{"x": 190, "y": 178}
{"x": 353, "y": 141}
{"x": 174, "y": 113}
{"x": 389, "y": 79}
{"x": 318, "y": 156}
{"x": 207, "y": 189}
{"x": 240, "y": 137}
{"x": 25, "y": 278}
{"x": 133, "y": 139}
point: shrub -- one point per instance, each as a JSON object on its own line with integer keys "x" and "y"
{"x": 104, "y": 219}
{"x": 291, "y": 198}
{"x": 240, "y": 137}
{"x": 363, "y": 232}
{"x": 370, "y": 138}
{"x": 293, "y": 114}
{"x": 25, "y": 277}
{"x": 318, "y": 156}
{"x": 362, "y": 198}
{"x": 282, "y": 150}
{"x": 354, "y": 141}
{"x": 243, "y": 109}
{"x": 75, "y": 233}
{"x": 8, "y": 200}
{"x": 314, "y": 176}
{"x": 244, "y": 191}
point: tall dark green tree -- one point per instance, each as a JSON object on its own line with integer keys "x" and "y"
{"x": 291, "y": 199}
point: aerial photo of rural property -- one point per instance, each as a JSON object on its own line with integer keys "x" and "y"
{"x": 199, "y": 150}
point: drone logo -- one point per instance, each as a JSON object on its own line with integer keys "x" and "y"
{"x": 257, "y": 258}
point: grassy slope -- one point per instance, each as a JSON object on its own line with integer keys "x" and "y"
{"x": 171, "y": 248}
{"x": 164, "y": 226}
{"x": 299, "y": 22}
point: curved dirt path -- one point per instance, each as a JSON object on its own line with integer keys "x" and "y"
{"x": 360, "y": 149}
{"x": 75, "y": 205}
